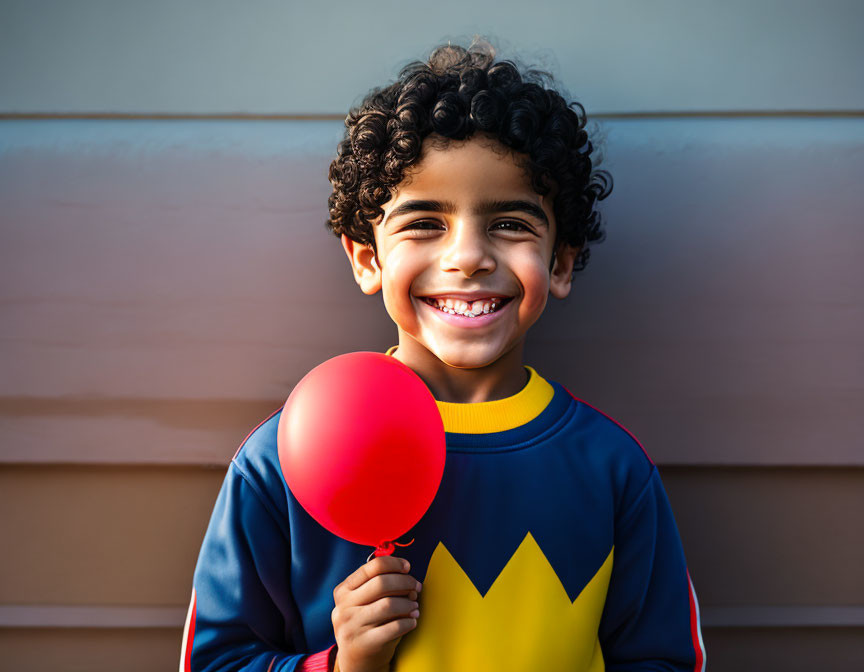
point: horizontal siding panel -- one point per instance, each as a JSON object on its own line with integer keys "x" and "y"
{"x": 753, "y": 537}
{"x": 46, "y": 616}
{"x": 127, "y": 431}
{"x": 625, "y": 55}
{"x": 784, "y": 617}
{"x": 704, "y": 431}
{"x": 782, "y": 537}
{"x": 787, "y": 649}
{"x": 106, "y": 536}
{"x": 144, "y": 650}
{"x": 88, "y": 650}
{"x": 148, "y": 263}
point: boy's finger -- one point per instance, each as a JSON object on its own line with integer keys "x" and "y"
{"x": 385, "y": 585}
{"x": 386, "y": 609}
{"x": 380, "y": 565}
{"x": 387, "y": 632}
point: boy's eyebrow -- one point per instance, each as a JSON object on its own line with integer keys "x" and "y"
{"x": 527, "y": 207}
{"x": 484, "y": 208}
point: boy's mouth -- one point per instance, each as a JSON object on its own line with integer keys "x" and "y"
{"x": 468, "y": 308}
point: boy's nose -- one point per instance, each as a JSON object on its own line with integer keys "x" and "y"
{"x": 468, "y": 252}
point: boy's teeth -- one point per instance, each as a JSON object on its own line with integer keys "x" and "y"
{"x": 472, "y": 309}
{"x": 480, "y": 307}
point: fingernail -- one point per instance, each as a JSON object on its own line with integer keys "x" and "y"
{"x": 419, "y": 587}
{"x": 406, "y": 565}
{"x": 415, "y": 613}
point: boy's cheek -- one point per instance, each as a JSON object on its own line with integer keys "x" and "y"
{"x": 536, "y": 284}
{"x": 402, "y": 315}
{"x": 531, "y": 309}
{"x": 396, "y": 267}
{"x": 400, "y": 306}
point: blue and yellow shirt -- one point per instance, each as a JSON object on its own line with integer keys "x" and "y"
{"x": 550, "y": 545}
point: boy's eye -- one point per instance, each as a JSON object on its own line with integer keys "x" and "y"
{"x": 512, "y": 225}
{"x": 422, "y": 224}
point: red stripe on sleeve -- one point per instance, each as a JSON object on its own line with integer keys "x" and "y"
{"x": 695, "y": 628}
{"x": 190, "y": 635}
{"x": 318, "y": 662}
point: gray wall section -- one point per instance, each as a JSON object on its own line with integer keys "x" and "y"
{"x": 289, "y": 57}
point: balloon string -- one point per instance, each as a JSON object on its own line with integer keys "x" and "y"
{"x": 387, "y": 548}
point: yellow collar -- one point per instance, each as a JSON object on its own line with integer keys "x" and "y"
{"x": 499, "y": 415}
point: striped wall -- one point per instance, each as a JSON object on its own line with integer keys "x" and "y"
{"x": 166, "y": 278}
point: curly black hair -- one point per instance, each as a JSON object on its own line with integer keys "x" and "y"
{"x": 456, "y": 93}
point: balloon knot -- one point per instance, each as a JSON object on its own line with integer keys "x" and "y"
{"x": 387, "y": 547}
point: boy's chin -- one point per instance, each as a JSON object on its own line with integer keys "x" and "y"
{"x": 468, "y": 354}
{"x": 471, "y": 358}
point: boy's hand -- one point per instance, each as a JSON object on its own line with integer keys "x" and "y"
{"x": 375, "y": 606}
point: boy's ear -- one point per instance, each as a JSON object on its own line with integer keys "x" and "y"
{"x": 363, "y": 260}
{"x": 561, "y": 278}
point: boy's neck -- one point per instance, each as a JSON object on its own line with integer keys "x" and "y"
{"x": 503, "y": 378}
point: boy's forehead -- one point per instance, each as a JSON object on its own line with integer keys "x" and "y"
{"x": 464, "y": 174}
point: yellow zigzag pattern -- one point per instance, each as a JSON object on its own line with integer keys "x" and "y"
{"x": 525, "y": 622}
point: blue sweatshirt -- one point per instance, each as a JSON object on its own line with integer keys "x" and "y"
{"x": 550, "y": 545}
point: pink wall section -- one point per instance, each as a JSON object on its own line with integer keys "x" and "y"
{"x": 147, "y": 266}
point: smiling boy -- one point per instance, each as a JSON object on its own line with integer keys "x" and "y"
{"x": 463, "y": 260}
{"x": 465, "y": 194}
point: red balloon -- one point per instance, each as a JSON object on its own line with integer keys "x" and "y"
{"x": 361, "y": 446}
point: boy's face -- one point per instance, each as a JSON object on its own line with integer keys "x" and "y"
{"x": 465, "y": 232}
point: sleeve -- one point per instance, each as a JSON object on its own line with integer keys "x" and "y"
{"x": 242, "y": 614}
{"x": 651, "y": 618}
